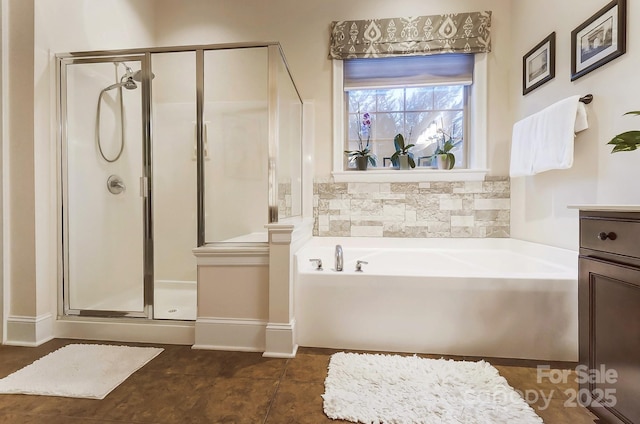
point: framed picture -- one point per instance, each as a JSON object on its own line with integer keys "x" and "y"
{"x": 600, "y": 39}
{"x": 539, "y": 64}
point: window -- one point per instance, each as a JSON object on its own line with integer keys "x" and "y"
{"x": 416, "y": 96}
{"x": 416, "y": 112}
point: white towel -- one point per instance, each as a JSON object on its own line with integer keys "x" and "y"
{"x": 544, "y": 140}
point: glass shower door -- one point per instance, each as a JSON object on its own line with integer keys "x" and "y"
{"x": 104, "y": 201}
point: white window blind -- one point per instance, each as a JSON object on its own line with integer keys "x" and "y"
{"x": 408, "y": 71}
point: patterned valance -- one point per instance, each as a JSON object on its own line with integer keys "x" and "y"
{"x": 420, "y": 35}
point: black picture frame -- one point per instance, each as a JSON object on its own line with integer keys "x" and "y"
{"x": 539, "y": 64}
{"x": 599, "y": 39}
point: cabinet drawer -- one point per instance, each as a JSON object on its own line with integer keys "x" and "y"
{"x": 622, "y": 237}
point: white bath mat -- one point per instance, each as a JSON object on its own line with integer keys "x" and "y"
{"x": 79, "y": 370}
{"x": 393, "y": 389}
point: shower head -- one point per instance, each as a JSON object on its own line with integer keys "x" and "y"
{"x": 127, "y": 83}
{"x": 137, "y": 75}
{"x": 130, "y": 73}
{"x": 130, "y": 84}
{"x": 128, "y": 80}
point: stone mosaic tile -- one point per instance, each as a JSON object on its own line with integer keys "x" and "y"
{"x": 469, "y": 187}
{"x": 461, "y": 232}
{"x": 498, "y": 232}
{"x": 426, "y": 214}
{"x": 366, "y": 231}
{"x": 429, "y": 209}
{"x": 462, "y": 221}
{"x": 405, "y": 188}
{"x": 492, "y": 204}
{"x": 356, "y": 188}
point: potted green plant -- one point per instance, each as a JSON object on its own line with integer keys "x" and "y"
{"x": 626, "y": 141}
{"x": 362, "y": 156}
{"x": 402, "y": 158}
{"x": 443, "y": 157}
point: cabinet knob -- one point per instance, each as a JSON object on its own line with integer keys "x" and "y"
{"x": 603, "y": 236}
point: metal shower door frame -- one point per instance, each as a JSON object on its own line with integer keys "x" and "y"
{"x": 145, "y": 55}
{"x": 63, "y": 222}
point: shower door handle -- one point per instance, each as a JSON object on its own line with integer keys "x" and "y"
{"x": 144, "y": 187}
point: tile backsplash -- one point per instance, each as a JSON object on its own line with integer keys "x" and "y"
{"x": 429, "y": 209}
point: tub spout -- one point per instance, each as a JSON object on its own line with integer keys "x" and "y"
{"x": 339, "y": 258}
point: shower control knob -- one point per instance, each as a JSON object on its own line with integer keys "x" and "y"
{"x": 603, "y": 236}
{"x": 359, "y": 265}
{"x": 115, "y": 185}
{"x": 318, "y": 263}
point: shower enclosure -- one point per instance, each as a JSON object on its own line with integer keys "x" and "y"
{"x": 164, "y": 150}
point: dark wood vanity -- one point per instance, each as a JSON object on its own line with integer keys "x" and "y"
{"x": 609, "y": 313}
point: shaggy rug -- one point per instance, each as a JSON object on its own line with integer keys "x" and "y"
{"x": 79, "y": 370}
{"x": 392, "y": 389}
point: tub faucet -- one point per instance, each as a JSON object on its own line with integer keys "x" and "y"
{"x": 339, "y": 258}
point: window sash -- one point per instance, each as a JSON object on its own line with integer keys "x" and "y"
{"x": 348, "y": 140}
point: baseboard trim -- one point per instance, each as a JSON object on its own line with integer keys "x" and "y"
{"x": 29, "y": 331}
{"x": 280, "y": 340}
{"x": 126, "y": 330}
{"x": 231, "y": 334}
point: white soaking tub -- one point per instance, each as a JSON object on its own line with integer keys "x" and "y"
{"x": 476, "y": 297}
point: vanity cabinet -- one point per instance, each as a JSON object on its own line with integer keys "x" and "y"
{"x": 609, "y": 315}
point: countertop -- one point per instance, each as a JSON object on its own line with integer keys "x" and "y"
{"x": 607, "y": 208}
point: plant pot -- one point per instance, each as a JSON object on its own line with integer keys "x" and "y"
{"x": 444, "y": 162}
{"x": 362, "y": 162}
{"x": 403, "y": 162}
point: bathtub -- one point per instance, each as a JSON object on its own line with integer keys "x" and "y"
{"x": 471, "y": 297}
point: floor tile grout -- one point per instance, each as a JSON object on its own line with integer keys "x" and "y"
{"x": 275, "y": 392}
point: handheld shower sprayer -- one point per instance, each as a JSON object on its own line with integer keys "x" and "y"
{"x": 128, "y": 81}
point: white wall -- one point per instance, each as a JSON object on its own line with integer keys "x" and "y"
{"x": 302, "y": 27}
{"x": 539, "y": 203}
{"x": 3, "y": 89}
{"x": 19, "y": 165}
{"x": 39, "y": 28}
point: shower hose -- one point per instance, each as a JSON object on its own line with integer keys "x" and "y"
{"x": 121, "y": 125}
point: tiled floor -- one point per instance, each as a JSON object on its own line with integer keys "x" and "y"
{"x": 186, "y": 386}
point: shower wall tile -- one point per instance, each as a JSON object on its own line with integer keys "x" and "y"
{"x": 431, "y": 209}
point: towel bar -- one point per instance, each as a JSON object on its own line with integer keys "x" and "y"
{"x": 586, "y": 99}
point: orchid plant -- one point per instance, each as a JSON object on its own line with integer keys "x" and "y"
{"x": 444, "y": 145}
{"x": 364, "y": 148}
{"x": 402, "y": 149}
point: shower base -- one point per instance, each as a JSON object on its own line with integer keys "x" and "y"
{"x": 175, "y": 300}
